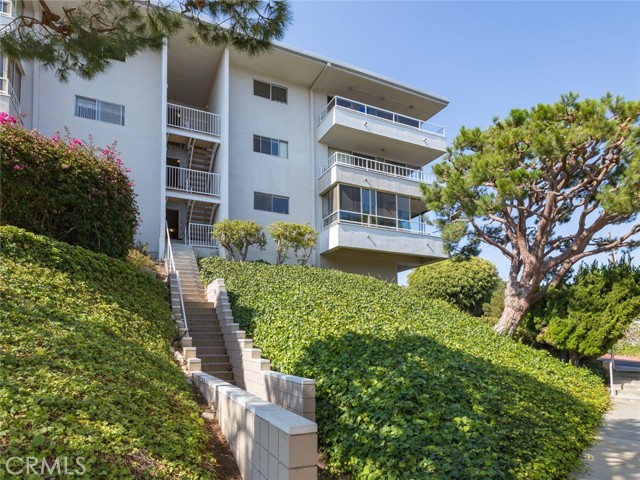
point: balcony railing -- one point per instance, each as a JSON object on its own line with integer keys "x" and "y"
{"x": 193, "y": 181}
{"x": 7, "y": 89}
{"x": 370, "y": 111}
{"x": 192, "y": 119}
{"x": 377, "y": 166}
{"x": 376, "y": 221}
{"x": 199, "y": 235}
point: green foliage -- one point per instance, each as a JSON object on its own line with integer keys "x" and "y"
{"x": 465, "y": 283}
{"x": 541, "y": 186}
{"x": 68, "y": 190}
{"x": 494, "y": 307}
{"x": 301, "y": 238}
{"x": 411, "y": 388}
{"x": 86, "y": 38}
{"x": 630, "y": 343}
{"x": 141, "y": 261}
{"x": 236, "y": 236}
{"x": 86, "y": 369}
{"x": 587, "y": 315}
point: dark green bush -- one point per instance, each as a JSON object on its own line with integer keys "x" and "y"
{"x": 85, "y": 368}
{"x": 413, "y": 389}
{"x": 589, "y": 313}
{"x": 68, "y": 190}
{"x": 465, "y": 283}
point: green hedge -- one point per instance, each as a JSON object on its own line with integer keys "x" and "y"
{"x": 66, "y": 189}
{"x": 413, "y": 389}
{"x": 465, "y": 283}
{"x": 85, "y": 368}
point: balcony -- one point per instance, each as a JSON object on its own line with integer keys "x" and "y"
{"x": 369, "y": 173}
{"x": 193, "y": 181}
{"x": 353, "y": 125}
{"x": 6, "y": 89}
{"x": 344, "y": 229}
{"x": 198, "y": 122}
{"x": 199, "y": 235}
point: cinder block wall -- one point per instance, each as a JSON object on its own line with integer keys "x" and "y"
{"x": 251, "y": 371}
{"x": 267, "y": 441}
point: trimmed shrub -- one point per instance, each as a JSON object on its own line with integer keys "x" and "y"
{"x": 301, "y": 238}
{"x": 236, "y": 236}
{"x": 412, "y": 388}
{"x": 588, "y": 314}
{"x": 86, "y": 370}
{"x": 68, "y": 190}
{"x": 465, "y": 283}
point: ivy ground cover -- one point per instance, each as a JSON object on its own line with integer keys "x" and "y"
{"x": 86, "y": 377}
{"x": 413, "y": 389}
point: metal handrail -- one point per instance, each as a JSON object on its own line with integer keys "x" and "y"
{"x": 382, "y": 114}
{"x": 199, "y": 235}
{"x": 376, "y": 166}
{"x": 193, "y": 181}
{"x": 193, "y": 119}
{"x": 171, "y": 268}
{"x": 376, "y": 221}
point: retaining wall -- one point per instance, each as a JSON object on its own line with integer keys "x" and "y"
{"x": 253, "y": 373}
{"x": 267, "y": 441}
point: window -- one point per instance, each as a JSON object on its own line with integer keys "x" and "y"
{"x": 270, "y": 203}
{"x": 271, "y": 146}
{"x": 5, "y": 8}
{"x": 272, "y": 92}
{"x": 98, "y": 110}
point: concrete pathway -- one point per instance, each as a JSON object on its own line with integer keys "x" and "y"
{"x": 617, "y": 455}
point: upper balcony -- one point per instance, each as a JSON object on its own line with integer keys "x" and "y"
{"x": 344, "y": 229}
{"x": 368, "y": 173}
{"x": 353, "y": 125}
{"x": 192, "y": 122}
{"x": 193, "y": 184}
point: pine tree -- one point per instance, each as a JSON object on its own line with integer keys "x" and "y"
{"x": 84, "y": 37}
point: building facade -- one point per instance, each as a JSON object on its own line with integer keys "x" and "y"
{"x": 211, "y": 133}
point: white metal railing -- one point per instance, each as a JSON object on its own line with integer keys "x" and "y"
{"x": 7, "y": 89}
{"x": 371, "y": 111}
{"x": 377, "y": 221}
{"x": 193, "y": 119}
{"x": 171, "y": 268}
{"x": 384, "y": 168}
{"x": 199, "y": 235}
{"x": 193, "y": 181}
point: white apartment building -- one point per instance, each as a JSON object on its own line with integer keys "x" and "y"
{"x": 211, "y": 133}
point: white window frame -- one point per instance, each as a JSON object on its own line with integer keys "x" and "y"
{"x": 9, "y": 12}
{"x": 100, "y": 109}
{"x": 270, "y": 97}
{"x": 271, "y": 198}
{"x": 283, "y": 146}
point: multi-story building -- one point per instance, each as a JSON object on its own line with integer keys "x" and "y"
{"x": 211, "y": 133}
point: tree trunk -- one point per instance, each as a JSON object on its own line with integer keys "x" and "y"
{"x": 516, "y": 303}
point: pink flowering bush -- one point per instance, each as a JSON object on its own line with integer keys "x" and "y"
{"x": 67, "y": 189}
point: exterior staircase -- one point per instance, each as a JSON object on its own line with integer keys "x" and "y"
{"x": 626, "y": 387}
{"x": 202, "y": 320}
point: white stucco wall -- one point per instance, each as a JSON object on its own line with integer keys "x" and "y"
{"x": 137, "y": 84}
{"x": 251, "y": 172}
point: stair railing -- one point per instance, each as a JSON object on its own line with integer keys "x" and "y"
{"x": 170, "y": 265}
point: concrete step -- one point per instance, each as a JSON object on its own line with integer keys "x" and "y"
{"x": 208, "y": 358}
{"x": 226, "y": 376}
{"x": 214, "y": 342}
{"x": 211, "y": 351}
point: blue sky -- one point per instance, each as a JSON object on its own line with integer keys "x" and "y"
{"x": 484, "y": 57}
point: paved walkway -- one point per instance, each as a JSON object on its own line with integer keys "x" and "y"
{"x": 617, "y": 455}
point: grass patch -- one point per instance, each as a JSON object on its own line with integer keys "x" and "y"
{"x": 85, "y": 368}
{"x": 411, "y": 388}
